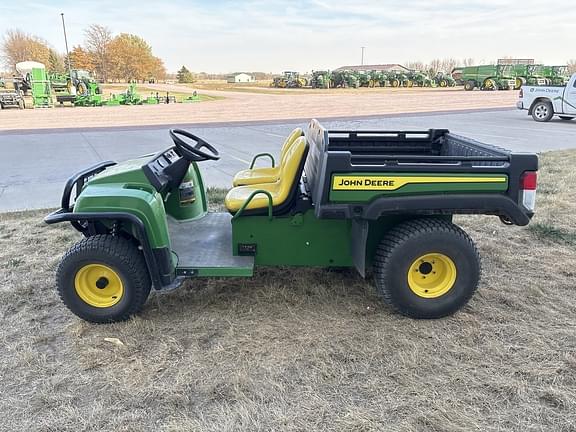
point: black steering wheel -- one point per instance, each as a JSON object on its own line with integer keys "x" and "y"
{"x": 193, "y": 153}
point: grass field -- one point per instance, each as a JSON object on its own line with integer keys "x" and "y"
{"x": 301, "y": 349}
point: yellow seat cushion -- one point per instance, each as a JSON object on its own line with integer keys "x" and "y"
{"x": 270, "y": 174}
{"x": 279, "y": 190}
{"x": 256, "y": 175}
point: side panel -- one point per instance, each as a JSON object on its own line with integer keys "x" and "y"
{"x": 298, "y": 240}
{"x": 352, "y": 187}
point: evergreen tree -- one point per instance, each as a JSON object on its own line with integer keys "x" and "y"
{"x": 184, "y": 75}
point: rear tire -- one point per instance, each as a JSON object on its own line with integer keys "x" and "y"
{"x": 426, "y": 268}
{"x": 542, "y": 111}
{"x": 103, "y": 279}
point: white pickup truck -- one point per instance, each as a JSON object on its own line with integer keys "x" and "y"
{"x": 544, "y": 102}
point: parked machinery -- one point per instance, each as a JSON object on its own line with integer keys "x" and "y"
{"x": 488, "y": 77}
{"x": 32, "y": 77}
{"x": 556, "y": 75}
{"x": 420, "y": 79}
{"x": 289, "y": 79}
{"x": 320, "y": 79}
{"x": 443, "y": 79}
{"x": 78, "y": 82}
{"x": 344, "y": 79}
{"x": 399, "y": 79}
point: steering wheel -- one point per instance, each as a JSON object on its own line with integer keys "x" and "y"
{"x": 193, "y": 153}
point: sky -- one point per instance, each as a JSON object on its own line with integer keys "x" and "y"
{"x": 220, "y": 36}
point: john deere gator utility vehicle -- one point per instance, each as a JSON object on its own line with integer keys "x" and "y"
{"x": 378, "y": 201}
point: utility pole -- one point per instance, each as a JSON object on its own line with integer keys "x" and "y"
{"x": 66, "y": 42}
{"x": 362, "y": 59}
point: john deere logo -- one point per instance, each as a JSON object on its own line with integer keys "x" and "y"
{"x": 390, "y": 183}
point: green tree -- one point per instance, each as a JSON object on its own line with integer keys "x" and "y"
{"x": 184, "y": 75}
{"x": 55, "y": 62}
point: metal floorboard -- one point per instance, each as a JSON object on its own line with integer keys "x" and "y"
{"x": 206, "y": 242}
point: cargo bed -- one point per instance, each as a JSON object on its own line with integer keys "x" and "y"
{"x": 369, "y": 174}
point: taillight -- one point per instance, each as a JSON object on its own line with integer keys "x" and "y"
{"x": 521, "y": 94}
{"x": 528, "y": 184}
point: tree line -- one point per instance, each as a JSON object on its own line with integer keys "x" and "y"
{"x": 122, "y": 57}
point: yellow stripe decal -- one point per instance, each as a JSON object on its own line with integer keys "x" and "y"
{"x": 394, "y": 182}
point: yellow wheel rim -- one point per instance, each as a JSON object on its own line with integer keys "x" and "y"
{"x": 98, "y": 285}
{"x": 432, "y": 275}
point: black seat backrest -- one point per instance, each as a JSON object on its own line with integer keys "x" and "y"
{"x": 314, "y": 168}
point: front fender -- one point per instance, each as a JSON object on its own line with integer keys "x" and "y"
{"x": 139, "y": 200}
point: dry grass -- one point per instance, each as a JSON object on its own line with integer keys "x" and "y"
{"x": 301, "y": 349}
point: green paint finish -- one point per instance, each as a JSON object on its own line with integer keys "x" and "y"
{"x": 299, "y": 240}
{"x": 224, "y": 272}
{"x": 141, "y": 200}
{"x": 418, "y": 188}
{"x": 181, "y": 208}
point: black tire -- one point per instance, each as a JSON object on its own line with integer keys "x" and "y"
{"x": 542, "y": 111}
{"x": 469, "y": 85}
{"x": 566, "y": 118}
{"x": 117, "y": 254}
{"x": 400, "y": 250}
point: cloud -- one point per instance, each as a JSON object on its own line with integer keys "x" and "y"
{"x": 221, "y": 35}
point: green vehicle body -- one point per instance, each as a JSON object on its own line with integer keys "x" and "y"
{"x": 488, "y": 77}
{"x": 320, "y": 79}
{"x": 556, "y": 75}
{"x": 121, "y": 197}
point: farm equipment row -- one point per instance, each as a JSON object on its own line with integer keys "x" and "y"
{"x": 356, "y": 79}
{"x": 78, "y": 87}
{"x": 484, "y": 77}
{"x": 510, "y": 76}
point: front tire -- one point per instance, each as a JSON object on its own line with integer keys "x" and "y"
{"x": 542, "y": 111}
{"x": 426, "y": 268}
{"x": 103, "y": 279}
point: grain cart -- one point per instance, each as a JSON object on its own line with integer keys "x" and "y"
{"x": 488, "y": 77}
{"x": 380, "y": 202}
{"x": 320, "y": 79}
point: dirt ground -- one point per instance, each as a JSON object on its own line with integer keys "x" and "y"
{"x": 234, "y": 106}
{"x": 301, "y": 349}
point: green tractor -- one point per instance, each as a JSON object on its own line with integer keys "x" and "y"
{"x": 320, "y": 79}
{"x": 444, "y": 80}
{"x": 289, "y": 79}
{"x": 399, "y": 79}
{"x": 365, "y": 79}
{"x": 344, "y": 79}
{"x": 420, "y": 79}
{"x": 488, "y": 77}
{"x": 380, "y": 202}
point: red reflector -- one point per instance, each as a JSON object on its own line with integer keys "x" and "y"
{"x": 529, "y": 180}
{"x": 521, "y": 93}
